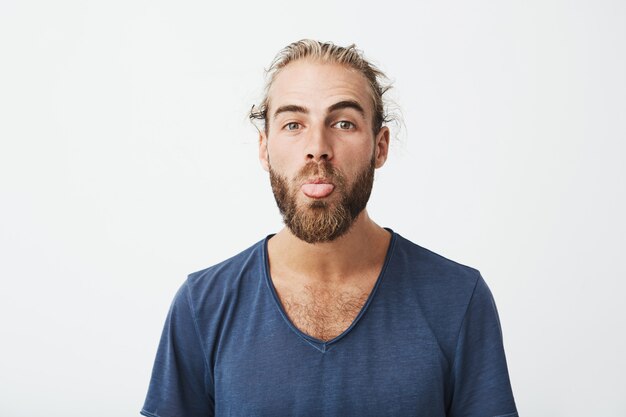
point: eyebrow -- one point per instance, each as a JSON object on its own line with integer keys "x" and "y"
{"x": 345, "y": 104}
{"x": 290, "y": 108}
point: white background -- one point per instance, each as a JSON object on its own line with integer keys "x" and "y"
{"x": 127, "y": 162}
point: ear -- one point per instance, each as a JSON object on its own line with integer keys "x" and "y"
{"x": 381, "y": 146}
{"x": 264, "y": 157}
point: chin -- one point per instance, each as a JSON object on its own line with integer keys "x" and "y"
{"x": 318, "y": 204}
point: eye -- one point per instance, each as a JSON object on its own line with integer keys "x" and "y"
{"x": 345, "y": 125}
{"x": 292, "y": 126}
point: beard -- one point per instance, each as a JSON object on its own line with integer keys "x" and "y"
{"x": 321, "y": 221}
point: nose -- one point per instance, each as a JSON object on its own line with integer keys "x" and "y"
{"x": 319, "y": 146}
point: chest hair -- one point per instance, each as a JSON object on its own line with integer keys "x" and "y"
{"x": 322, "y": 312}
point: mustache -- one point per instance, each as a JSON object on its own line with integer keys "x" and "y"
{"x": 323, "y": 169}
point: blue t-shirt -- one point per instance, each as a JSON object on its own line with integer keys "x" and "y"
{"x": 427, "y": 342}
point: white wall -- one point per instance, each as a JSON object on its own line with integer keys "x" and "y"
{"x": 126, "y": 162}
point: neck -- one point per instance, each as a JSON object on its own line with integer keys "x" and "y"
{"x": 363, "y": 247}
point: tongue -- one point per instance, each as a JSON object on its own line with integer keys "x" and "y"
{"x": 317, "y": 190}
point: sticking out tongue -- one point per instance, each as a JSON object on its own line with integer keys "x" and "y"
{"x": 317, "y": 190}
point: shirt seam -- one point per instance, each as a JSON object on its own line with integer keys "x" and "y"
{"x": 458, "y": 336}
{"x": 197, "y": 330}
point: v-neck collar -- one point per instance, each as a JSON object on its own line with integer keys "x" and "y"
{"x": 318, "y": 344}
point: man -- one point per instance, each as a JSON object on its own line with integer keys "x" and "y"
{"x": 334, "y": 315}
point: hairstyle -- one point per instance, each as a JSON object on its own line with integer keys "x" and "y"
{"x": 327, "y": 52}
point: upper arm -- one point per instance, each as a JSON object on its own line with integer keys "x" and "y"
{"x": 181, "y": 384}
{"x": 480, "y": 379}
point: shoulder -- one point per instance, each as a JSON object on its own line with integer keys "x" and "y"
{"x": 228, "y": 277}
{"x": 441, "y": 290}
{"x": 432, "y": 271}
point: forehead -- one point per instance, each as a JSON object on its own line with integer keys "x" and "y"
{"x": 316, "y": 84}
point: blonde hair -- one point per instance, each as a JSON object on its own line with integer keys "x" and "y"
{"x": 327, "y": 52}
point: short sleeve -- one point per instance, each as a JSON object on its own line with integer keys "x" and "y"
{"x": 180, "y": 385}
{"x": 480, "y": 378}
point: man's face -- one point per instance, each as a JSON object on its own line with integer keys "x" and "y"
{"x": 320, "y": 148}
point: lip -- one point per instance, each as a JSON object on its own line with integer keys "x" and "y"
{"x": 318, "y": 181}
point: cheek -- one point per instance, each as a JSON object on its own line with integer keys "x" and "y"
{"x": 283, "y": 159}
{"x": 357, "y": 160}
